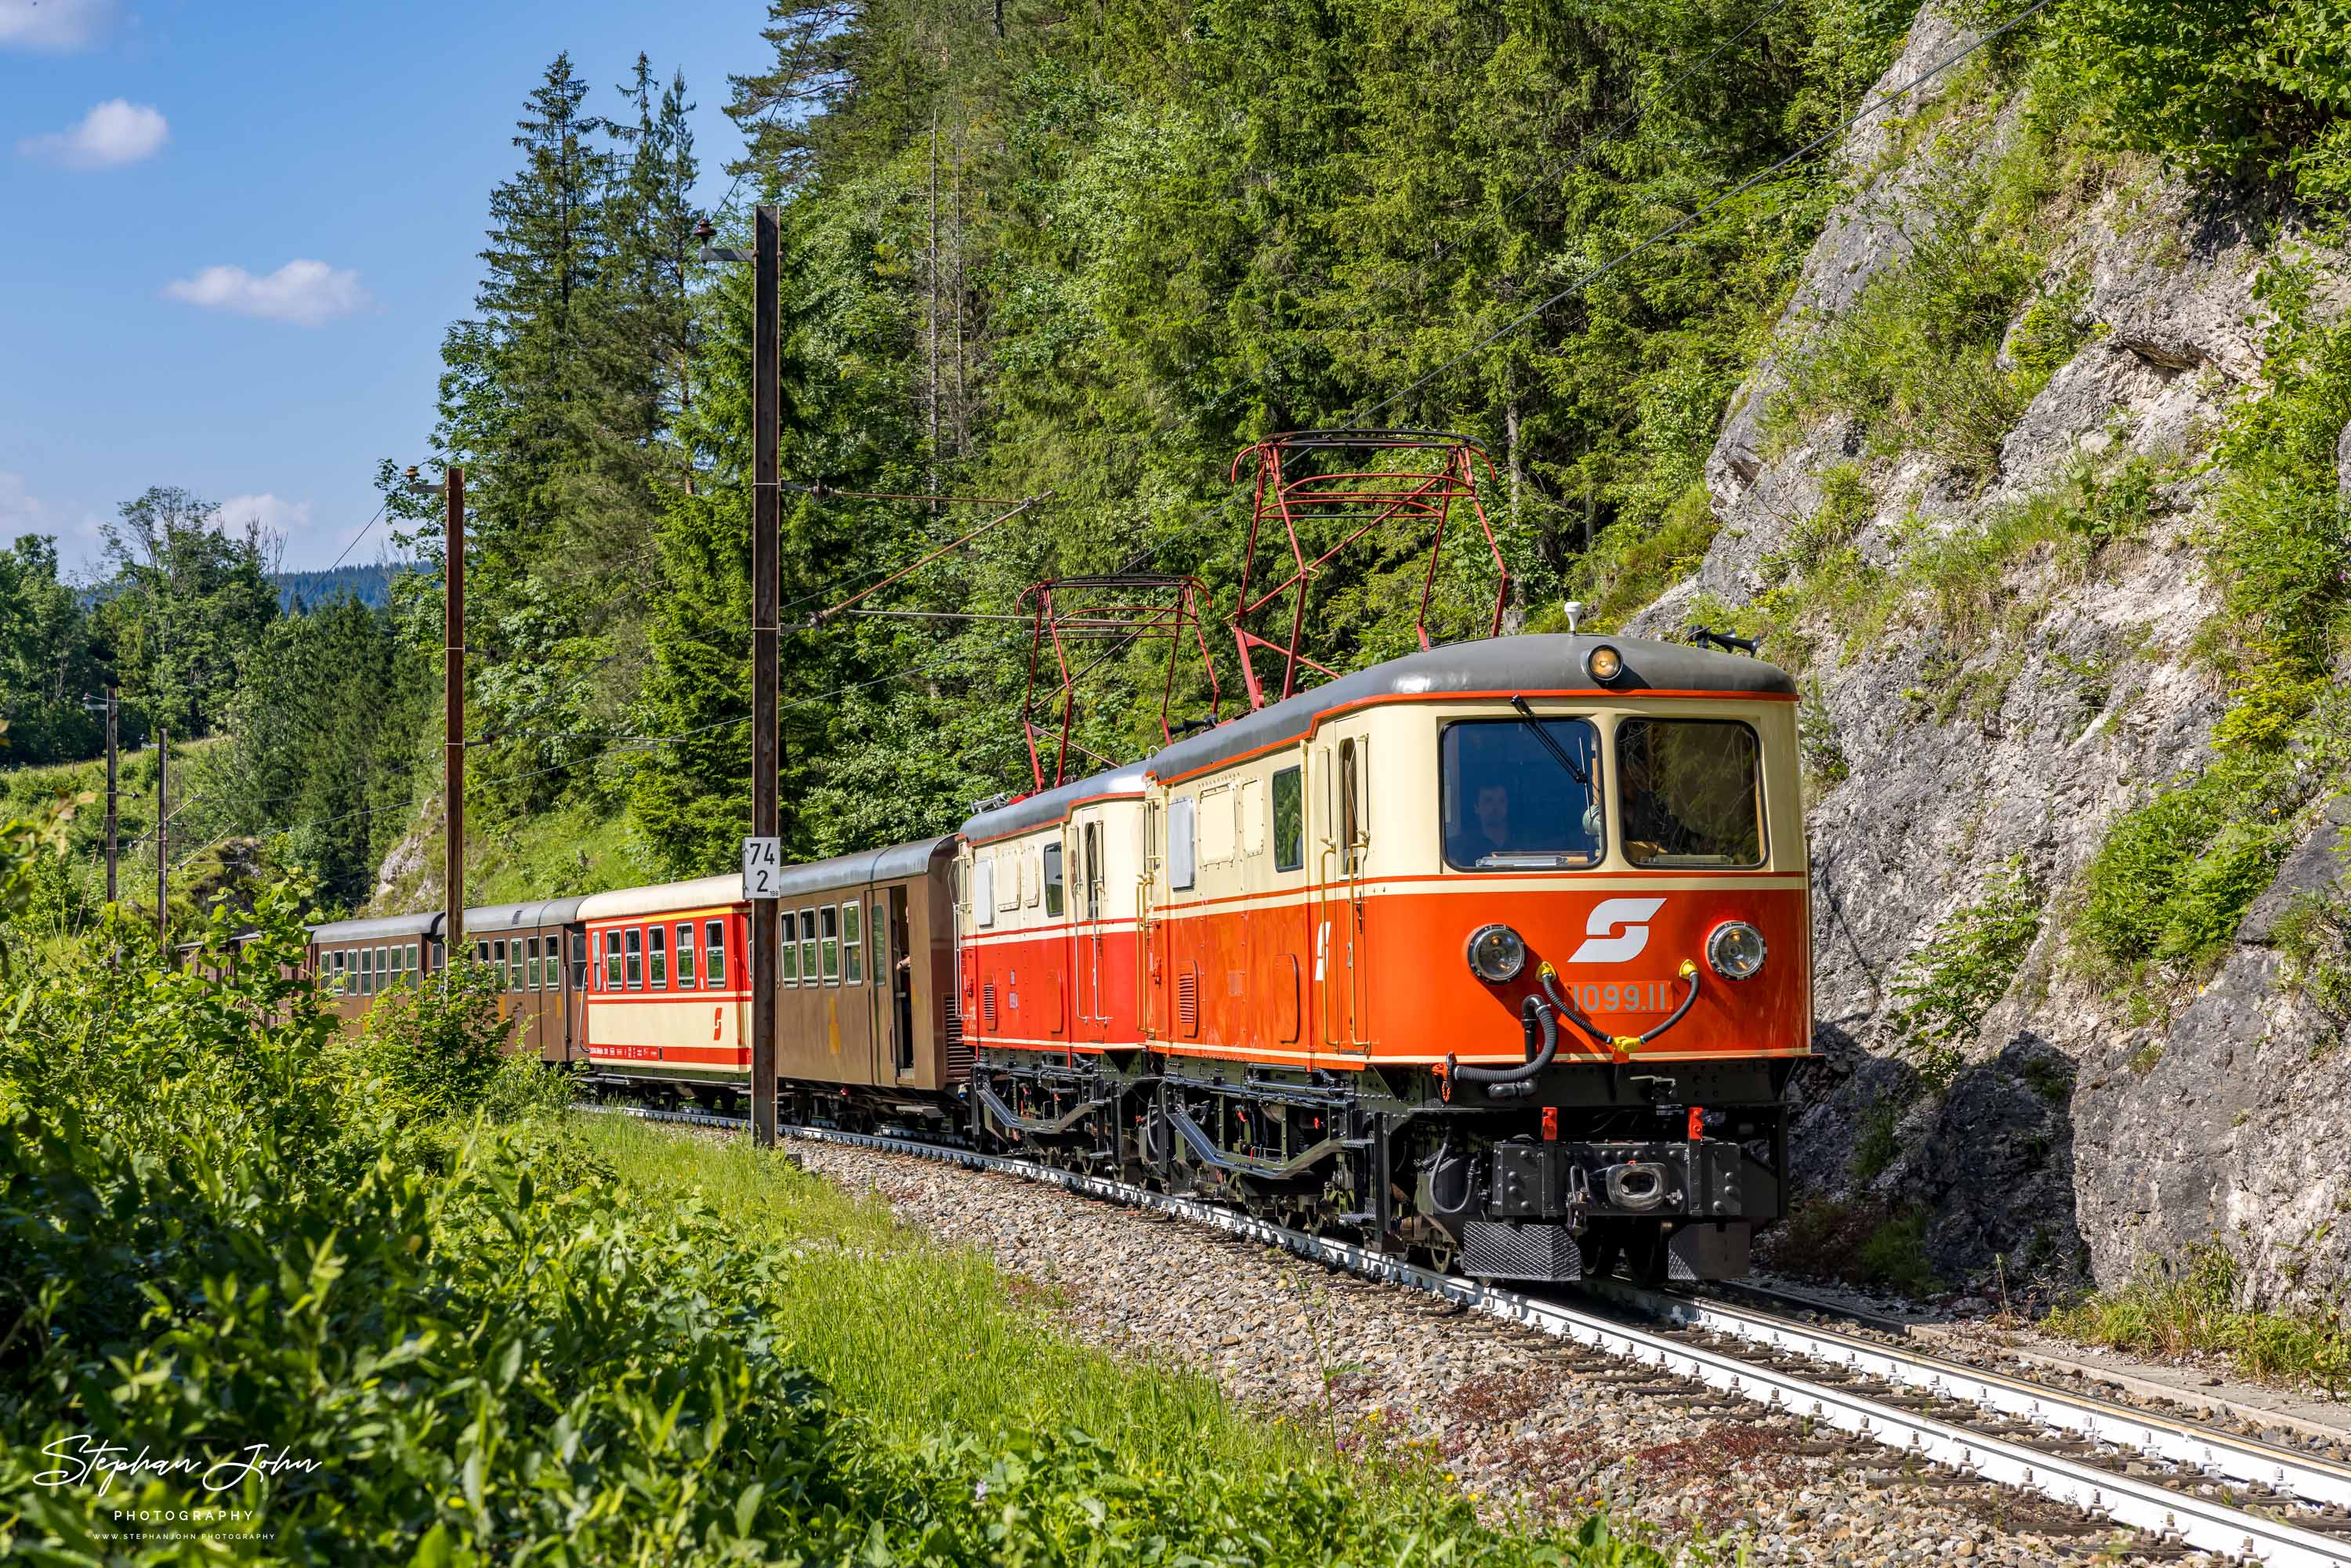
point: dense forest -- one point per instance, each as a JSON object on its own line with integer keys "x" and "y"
{"x": 1083, "y": 255}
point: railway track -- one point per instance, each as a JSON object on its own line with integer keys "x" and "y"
{"x": 2181, "y": 1484}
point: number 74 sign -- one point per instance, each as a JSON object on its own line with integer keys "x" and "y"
{"x": 763, "y": 868}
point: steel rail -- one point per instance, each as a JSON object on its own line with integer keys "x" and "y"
{"x": 2202, "y": 1523}
{"x": 2302, "y": 1475}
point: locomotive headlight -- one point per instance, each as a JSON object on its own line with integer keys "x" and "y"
{"x": 1735, "y": 949}
{"x": 1604, "y": 663}
{"x": 1496, "y": 954}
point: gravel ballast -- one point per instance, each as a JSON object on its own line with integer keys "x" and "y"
{"x": 1528, "y": 1426}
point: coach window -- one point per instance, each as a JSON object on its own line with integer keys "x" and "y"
{"x": 579, "y": 960}
{"x": 880, "y": 930}
{"x": 791, "y": 951}
{"x": 808, "y": 947}
{"x": 1053, "y": 882}
{"x": 714, "y": 942}
{"x": 685, "y": 955}
{"x": 1689, "y": 793}
{"x": 852, "y": 961}
{"x": 613, "y": 978}
{"x": 533, "y": 969}
{"x": 633, "y": 946}
{"x": 828, "y": 925}
{"x": 657, "y": 959}
{"x": 1288, "y": 821}
{"x": 382, "y": 966}
{"x": 498, "y": 961}
{"x": 1517, "y": 794}
{"x": 1181, "y": 872}
{"x": 366, "y": 970}
{"x": 411, "y": 958}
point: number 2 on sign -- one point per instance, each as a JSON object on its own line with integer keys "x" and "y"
{"x": 763, "y": 868}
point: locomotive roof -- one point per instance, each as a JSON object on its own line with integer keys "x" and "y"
{"x": 1533, "y": 661}
{"x": 1052, "y": 805}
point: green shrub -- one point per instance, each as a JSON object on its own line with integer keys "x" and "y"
{"x": 1895, "y": 1255}
{"x": 2314, "y": 938}
{"x": 1965, "y": 964}
{"x": 434, "y": 1047}
{"x": 2172, "y": 877}
{"x": 2228, "y": 90}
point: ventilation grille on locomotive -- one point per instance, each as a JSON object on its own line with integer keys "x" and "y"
{"x": 987, "y": 1007}
{"x": 958, "y": 1048}
{"x": 1187, "y": 1003}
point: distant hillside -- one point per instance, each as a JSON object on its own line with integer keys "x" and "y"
{"x": 370, "y": 585}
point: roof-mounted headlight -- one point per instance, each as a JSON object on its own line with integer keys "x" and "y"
{"x": 1604, "y": 663}
{"x": 1496, "y": 954}
{"x": 1735, "y": 950}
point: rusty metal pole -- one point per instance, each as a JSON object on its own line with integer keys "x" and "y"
{"x": 766, "y": 526}
{"x": 453, "y": 748}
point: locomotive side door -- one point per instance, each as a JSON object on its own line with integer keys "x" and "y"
{"x": 1339, "y": 903}
{"x": 1088, "y": 995}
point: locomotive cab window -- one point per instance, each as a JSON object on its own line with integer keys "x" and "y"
{"x": 1521, "y": 795}
{"x": 1689, "y": 793}
{"x": 713, "y": 947}
{"x": 1053, "y": 889}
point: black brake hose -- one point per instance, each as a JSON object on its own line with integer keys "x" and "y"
{"x": 1538, "y": 1013}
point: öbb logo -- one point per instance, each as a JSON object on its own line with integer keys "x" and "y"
{"x": 1603, "y": 943}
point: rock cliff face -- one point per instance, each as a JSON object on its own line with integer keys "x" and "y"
{"x": 2065, "y": 1136}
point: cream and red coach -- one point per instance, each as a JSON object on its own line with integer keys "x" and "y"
{"x": 866, "y": 1023}
{"x": 1499, "y": 950}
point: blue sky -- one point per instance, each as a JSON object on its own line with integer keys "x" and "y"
{"x": 235, "y": 233}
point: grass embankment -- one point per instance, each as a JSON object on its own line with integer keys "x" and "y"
{"x": 487, "y": 1331}
{"x": 2192, "y": 1311}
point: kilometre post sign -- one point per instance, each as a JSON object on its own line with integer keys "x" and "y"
{"x": 763, "y": 868}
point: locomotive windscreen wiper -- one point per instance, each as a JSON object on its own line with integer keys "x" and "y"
{"x": 1559, "y": 752}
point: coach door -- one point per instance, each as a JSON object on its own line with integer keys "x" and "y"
{"x": 1339, "y": 958}
{"x": 1089, "y": 995}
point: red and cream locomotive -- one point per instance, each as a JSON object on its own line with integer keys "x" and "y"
{"x": 1498, "y": 952}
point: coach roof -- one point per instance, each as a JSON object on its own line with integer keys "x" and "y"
{"x": 1532, "y": 663}
{"x": 1052, "y": 805}
{"x": 377, "y": 926}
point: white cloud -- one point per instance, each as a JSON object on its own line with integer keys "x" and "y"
{"x": 307, "y": 293}
{"x": 111, "y": 134}
{"x": 52, "y": 23}
{"x": 21, "y": 511}
{"x": 276, "y": 516}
